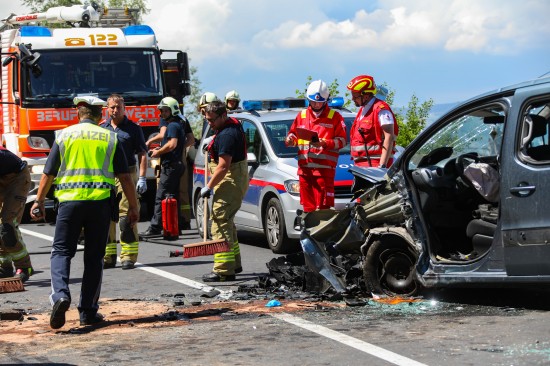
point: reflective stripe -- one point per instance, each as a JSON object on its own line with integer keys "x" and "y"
{"x": 20, "y": 254}
{"x": 110, "y": 249}
{"x": 318, "y": 157}
{"x": 129, "y": 248}
{"x": 362, "y": 147}
{"x": 84, "y": 171}
{"x": 224, "y": 257}
{"x": 364, "y": 158}
{"x": 85, "y": 185}
{"x": 86, "y": 166}
{"x": 316, "y": 166}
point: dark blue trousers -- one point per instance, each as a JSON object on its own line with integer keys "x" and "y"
{"x": 169, "y": 183}
{"x": 94, "y": 217}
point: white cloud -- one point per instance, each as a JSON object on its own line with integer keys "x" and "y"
{"x": 459, "y": 25}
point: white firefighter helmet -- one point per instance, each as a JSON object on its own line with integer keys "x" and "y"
{"x": 317, "y": 91}
{"x": 170, "y": 103}
{"x": 207, "y": 98}
{"x": 232, "y": 95}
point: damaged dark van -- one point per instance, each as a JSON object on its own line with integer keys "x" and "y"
{"x": 466, "y": 204}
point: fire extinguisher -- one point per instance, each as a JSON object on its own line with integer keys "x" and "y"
{"x": 170, "y": 218}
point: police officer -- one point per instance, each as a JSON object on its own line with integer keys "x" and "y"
{"x": 172, "y": 167}
{"x": 84, "y": 161}
{"x": 130, "y": 137}
{"x": 228, "y": 184}
{"x": 15, "y": 181}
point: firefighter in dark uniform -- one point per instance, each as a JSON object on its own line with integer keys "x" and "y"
{"x": 84, "y": 161}
{"x": 228, "y": 170}
{"x": 130, "y": 137}
{"x": 170, "y": 153}
{"x": 15, "y": 181}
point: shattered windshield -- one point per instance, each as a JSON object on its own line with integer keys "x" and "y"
{"x": 132, "y": 72}
{"x": 479, "y": 131}
{"x": 278, "y": 130}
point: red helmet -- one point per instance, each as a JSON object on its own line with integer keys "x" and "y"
{"x": 363, "y": 84}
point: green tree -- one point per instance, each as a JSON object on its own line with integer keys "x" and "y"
{"x": 40, "y": 6}
{"x": 414, "y": 120}
{"x": 191, "y": 102}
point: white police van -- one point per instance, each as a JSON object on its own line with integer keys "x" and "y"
{"x": 273, "y": 195}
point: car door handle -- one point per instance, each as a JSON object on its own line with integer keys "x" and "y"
{"x": 523, "y": 190}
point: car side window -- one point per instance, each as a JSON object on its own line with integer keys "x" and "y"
{"x": 478, "y": 131}
{"x": 535, "y": 134}
{"x": 254, "y": 141}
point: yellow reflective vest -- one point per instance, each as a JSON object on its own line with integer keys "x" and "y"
{"x": 86, "y": 172}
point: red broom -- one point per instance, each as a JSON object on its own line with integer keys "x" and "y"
{"x": 11, "y": 284}
{"x": 206, "y": 247}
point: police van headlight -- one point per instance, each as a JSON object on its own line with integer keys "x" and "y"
{"x": 292, "y": 187}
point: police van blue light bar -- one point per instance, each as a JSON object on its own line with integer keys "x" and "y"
{"x": 138, "y": 30}
{"x": 35, "y": 31}
{"x": 336, "y": 102}
{"x": 270, "y": 104}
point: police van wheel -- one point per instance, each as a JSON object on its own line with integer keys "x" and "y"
{"x": 274, "y": 228}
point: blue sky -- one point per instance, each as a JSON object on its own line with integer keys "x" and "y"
{"x": 447, "y": 50}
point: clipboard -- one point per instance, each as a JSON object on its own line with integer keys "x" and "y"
{"x": 308, "y": 135}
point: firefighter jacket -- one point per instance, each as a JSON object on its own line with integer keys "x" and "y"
{"x": 86, "y": 172}
{"x": 366, "y": 135}
{"x": 330, "y": 127}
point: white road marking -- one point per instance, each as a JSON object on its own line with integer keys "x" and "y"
{"x": 358, "y": 344}
{"x": 184, "y": 281}
{"x": 362, "y": 346}
{"x": 43, "y": 236}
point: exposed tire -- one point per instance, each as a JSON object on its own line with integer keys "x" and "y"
{"x": 274, "y": 228}
{"x": 389, "y": 268}
{"x": 199, "y": 212}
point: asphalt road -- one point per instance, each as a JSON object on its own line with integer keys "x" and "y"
{"x": 451, "y": 327}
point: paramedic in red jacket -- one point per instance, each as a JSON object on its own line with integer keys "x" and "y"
{"x": 373, "y": 133}
{"x": 317, "y": 159}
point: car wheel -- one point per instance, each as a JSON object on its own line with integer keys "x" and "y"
{"x": 199, "y": 215}
{"x": 274, "y": 227}
{"x": 389, "y": 268}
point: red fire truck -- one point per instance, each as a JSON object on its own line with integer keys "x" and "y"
{"x": 98, "y": 52}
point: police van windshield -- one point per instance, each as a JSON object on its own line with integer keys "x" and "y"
{"x": 131, "y": 72}
{"x": 278, "y": 130}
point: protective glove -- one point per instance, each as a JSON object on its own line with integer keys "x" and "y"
{"x": 206, "y": 192}
{"x": 141, "y": 186}
{"x": 206, "y": 142}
